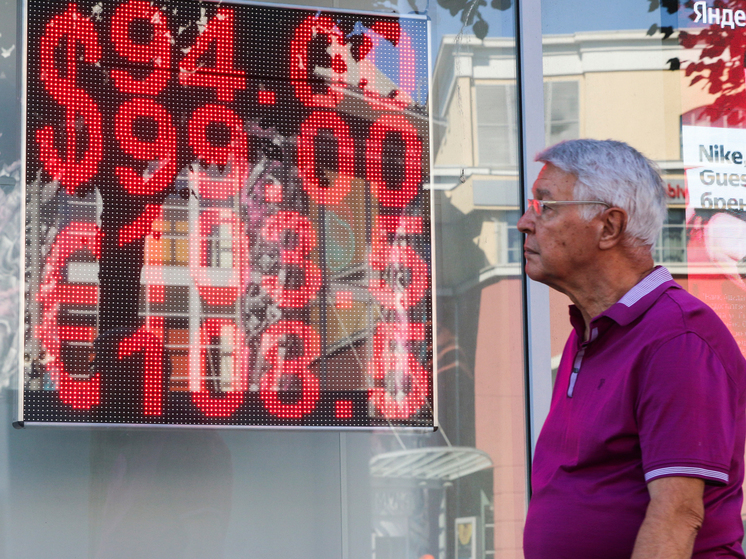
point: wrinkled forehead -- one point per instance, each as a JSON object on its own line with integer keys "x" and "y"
{"x": 554, "y": 184}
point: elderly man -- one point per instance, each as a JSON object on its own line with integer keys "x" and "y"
{"x": 642, "y": 454}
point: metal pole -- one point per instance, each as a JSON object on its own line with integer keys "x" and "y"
{"x": 536, "y": 296}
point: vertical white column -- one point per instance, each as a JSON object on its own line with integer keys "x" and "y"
{"x": 531, "y": 104}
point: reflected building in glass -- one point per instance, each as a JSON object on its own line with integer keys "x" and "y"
{"x": 457, "y": 493}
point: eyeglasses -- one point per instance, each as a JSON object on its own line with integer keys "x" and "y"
{"x": 540, "y": 205}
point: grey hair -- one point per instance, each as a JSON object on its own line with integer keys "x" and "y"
{"x": 615, "y": 173}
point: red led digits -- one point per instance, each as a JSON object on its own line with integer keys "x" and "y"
{"x": 277, "y": 225}
{"x": 335, "y": 193}
{"x": 297, "y": 239}
{"x": 344, "y": 300}
{"x": 343, "y": 409}
{"x": 156, "y": 52}
{"x": 223, "y": 76}
{"x": 76, "y": 30}
{"x": 80, "y": 394}
{"x": 234, "y": 150}
{"x": 70, "y": 170}
{"x": 289, "y": 366}
{"x": 394, "y": 196}
{"x": 282, "y": 289}
{"x": 273, "y": 193}
{"x": 400, "y": 382}
{"x": 403, "y": 277}
{"x": 161, "y": 150}
{"x": 141, "y": 227}
{"x": 301, "y": 72}
{"x": 152, "y": 272}
{"x": 400, "y": 224}
{"x": 151, "y": 345}
{"x": 223, "y": 335}
{"x": 218, "y": 253}
{"x": 370, "y": 74}
{"x": 157, "y": 292}
{"x": 266, "y": 97}
{"x": 56, "y": 292}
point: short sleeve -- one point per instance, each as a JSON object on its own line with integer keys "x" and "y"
{"x": 686, "y": 412}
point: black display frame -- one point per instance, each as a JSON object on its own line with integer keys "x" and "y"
{"x": 34, "y": 404}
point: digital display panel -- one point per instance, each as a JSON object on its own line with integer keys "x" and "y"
{"x": 226, "y": 216}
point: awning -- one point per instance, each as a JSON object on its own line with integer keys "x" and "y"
{"x": 432, "y": 463}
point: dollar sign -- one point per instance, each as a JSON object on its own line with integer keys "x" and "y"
{"x": 80, "y": 110}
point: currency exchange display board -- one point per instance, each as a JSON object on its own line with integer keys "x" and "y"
{"x": 226, "y": 216}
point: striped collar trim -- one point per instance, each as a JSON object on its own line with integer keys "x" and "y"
{"x": 647, "y": 285}
{"x": 641, "y": 297}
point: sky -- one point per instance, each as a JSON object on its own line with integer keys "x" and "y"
{"x": 569, "y": 16}
{"x": 559, "y": 16}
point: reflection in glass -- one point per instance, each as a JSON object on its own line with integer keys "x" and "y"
{"x": 652, "y": 76}
{"x": 130, "y": 493}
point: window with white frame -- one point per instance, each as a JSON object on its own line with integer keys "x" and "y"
{"x": 496, "y": 119}
{"x": 496, "y": 125}
{"x": 671, "y": 245}
{"x": 561, "y": 111}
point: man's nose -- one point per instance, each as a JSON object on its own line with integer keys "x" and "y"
{"x": 526, "y": 222}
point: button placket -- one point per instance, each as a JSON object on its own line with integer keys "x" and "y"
{"x": 578, "y": 361}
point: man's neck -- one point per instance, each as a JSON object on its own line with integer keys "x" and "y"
{"x": 599, "y": 289}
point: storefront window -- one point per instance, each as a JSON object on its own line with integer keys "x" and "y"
{"x": 385, "y": 493}
{"x": 668, "y": 82}
{"x": 608, "y": 67}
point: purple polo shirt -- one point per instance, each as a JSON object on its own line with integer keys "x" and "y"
{"x": 659, "y": 390}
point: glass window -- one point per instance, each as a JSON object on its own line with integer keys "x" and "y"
{"x": 645, "y": 76}
{"x": 623, "y": 78}
{"x": 117, "y": 492}
{"x": 670, "y": 250}
{"x": 495, "y": 104}
{"x": 496, "y": 112}
{"x": 561, "y": 111}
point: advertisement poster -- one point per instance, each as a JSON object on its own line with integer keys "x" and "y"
{"x": 713, "y": 41}
{"x": 226, "y": 216}
{"x": 466, "y": 538}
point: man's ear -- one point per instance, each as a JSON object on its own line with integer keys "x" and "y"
{"x": 614, "y": 222}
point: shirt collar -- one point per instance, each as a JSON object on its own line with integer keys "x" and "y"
{"x": 632, "y": 305}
